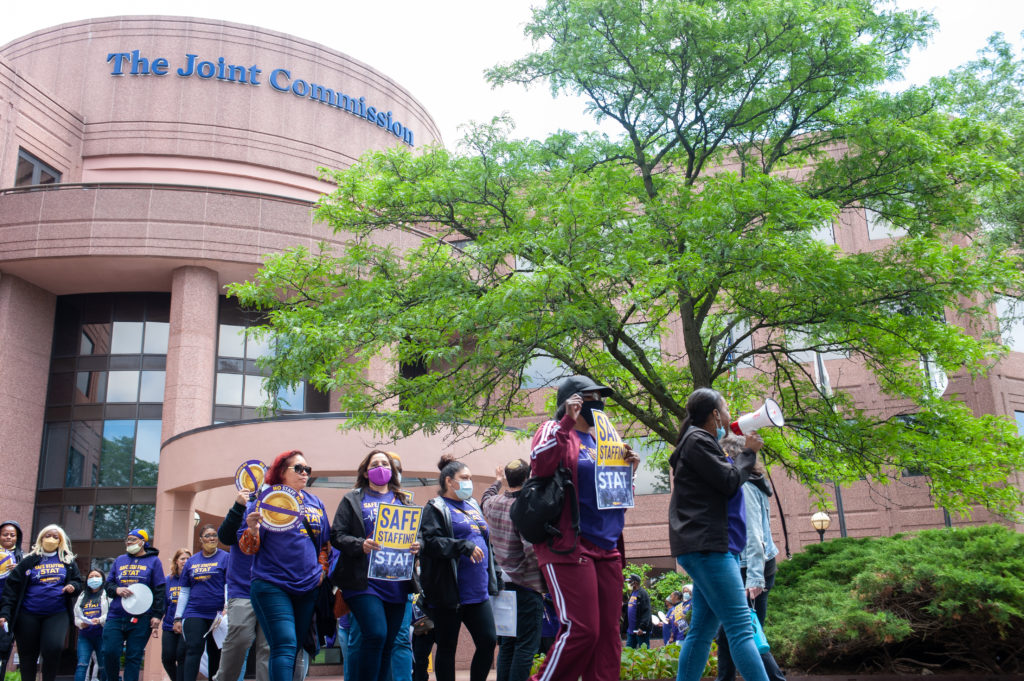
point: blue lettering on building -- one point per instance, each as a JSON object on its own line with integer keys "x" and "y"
{"x": 132, "y": 63}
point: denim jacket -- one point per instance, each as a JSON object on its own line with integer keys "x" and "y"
{"x": 760, "y": 547}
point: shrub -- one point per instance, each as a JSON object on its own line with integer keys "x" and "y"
{"x": 650, "y": 663}
{"x": 938, "y": 599}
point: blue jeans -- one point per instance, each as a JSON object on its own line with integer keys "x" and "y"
{"x": 86, "y": 647}
{"x": 285, "y": 619}
{"x": 515, "y": 653}
{"x": 378, "y": 624}
{"x": 401, "y": 653}
{"x": 718, "y": 597}
{"x": 343, "y": 643}
{"x": 638, "y": 640}
{"x": 118, "y": 631}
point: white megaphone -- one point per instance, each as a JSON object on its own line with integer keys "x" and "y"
{"x": 770, "y": 414}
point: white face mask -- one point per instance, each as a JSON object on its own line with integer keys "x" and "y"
{"x": 132, "y": 549}
{"x": 465, "y": 490}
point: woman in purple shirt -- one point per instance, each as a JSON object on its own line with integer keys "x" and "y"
{"x": 200, "y": 602}
{"x": 457, "y": 571}
{"x": 287, "y": 565}
{"x": 37, "y": 598}
{"x": 377, "y": 605}
{"x": 172, "y": 648}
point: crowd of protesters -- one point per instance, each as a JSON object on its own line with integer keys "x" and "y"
{"x": 571, "y": 602}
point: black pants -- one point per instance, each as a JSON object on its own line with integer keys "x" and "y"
{"x": 422, "y": 644}
{"x": 193, "y": 630}
{"x": 172, "y": 654}
{"x": 37, "y": 634}
{"x": 726, "y": 668}
{"x": 479, "y": 620}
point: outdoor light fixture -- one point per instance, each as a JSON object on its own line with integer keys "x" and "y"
{"x": 820, "y": 521}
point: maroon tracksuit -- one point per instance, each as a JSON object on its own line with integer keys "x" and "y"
{"x": 585, "y": 585}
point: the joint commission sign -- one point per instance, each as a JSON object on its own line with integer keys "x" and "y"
{"x": 133, "y": 64}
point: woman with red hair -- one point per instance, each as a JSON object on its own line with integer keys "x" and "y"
{"x": 288, "y": 564}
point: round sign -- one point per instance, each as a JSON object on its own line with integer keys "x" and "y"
{"x": 6, "y": 562}
{"x": 249, "y": 476}
{"x": 139, "y": 602}
{"x": 279, "y": 507}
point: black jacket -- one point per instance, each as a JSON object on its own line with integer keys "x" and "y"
{"x": 227, "y": 533}
{"x": 439, "y": 557}
{"x": 16, "y": 584}
{"x": 643, "y": 611}
{"x": 703, "y": 482}
{"x": 347, "y": 535}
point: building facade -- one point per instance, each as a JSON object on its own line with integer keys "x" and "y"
{"x": 145, "y": 163}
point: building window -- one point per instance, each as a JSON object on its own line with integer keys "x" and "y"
{"x": 32, "y": 171}
{"x": 240, "y": 388}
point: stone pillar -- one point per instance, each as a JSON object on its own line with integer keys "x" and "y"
{"x": 191, "y": 351}
{"x": 188, "y": 404}
{"x": 26, "y": 332}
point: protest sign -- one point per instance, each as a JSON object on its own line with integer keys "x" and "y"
{"x": 614, "y": 474}
{"x": 395, "y": 532}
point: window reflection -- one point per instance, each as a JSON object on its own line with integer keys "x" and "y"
{"x": 156, "y": 338}
{"x": 123, "y": 386}
{"x": 126, "y": 338}
{"x": 152, "y": 386}
{"x": 229, "y": 389}
{"x": 117, "y": 453}
{"x": 110, "y": 522}
{"x": 147, "y": 453}
{"x": 231, "y": 341}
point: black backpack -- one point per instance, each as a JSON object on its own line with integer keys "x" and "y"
{"x": 538, "y": 508}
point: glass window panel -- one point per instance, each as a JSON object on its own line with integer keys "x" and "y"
{"x": 95, "y": 384}
{"x": 1011, "y": 324}
{"x": 76, "y": 469}
{"x": 46, "y": 177}
{"x": 231, "y": 341}
{"x": 156, "y": 338}
{"x": 229, "y": 389}
{"x": 142, "y": 515}
{"x": 292, "y": 400}
{"x": 86, "y": 439}
{"x": 126, "y": 338}
{"x": 125, "y": 362}
{"x": 78, "y": 522}
{"x": 147, "y": 453}
{"x": 55, "y": 452}
{"x": 110, "y": 522}
{"x": 152, "y": 388}
{"x": 86, "y": 346}
{"x": 23, "y": 175}
{"x": 255, "y": 394}
{"x": 117, "y": 453}
{"x": 232, "y": 366}
{"x": 256, "y": 348}
{"x": 542, "y": 372}
{"x": 880, "y": 228}
{"x": 45, "y": 515}
{"x": 61, "y": 389}
{"x": 648, "y": 481}
{"x": 123, "y": 386}
{"x": 82, "y": 382}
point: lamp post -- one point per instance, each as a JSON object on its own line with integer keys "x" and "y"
{"x": 820, "y": 522}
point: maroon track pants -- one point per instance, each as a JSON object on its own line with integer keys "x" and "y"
{"x": 588, "y": 598}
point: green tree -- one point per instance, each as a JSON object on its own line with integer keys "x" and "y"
{"x": 746, "y": 126}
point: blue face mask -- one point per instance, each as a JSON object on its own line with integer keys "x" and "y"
{"x": 720, "y": 432}
{"x": 465, "y": 489}
{"x": 95, "y": 582}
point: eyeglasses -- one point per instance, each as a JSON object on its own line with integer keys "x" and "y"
{"x": 209, "y": 536}
{"x": 300, "y": 469}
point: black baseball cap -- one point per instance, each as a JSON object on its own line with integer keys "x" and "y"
{"x": 581, "y": 384}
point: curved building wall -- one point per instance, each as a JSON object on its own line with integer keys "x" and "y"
{"x": 249, "y": 109}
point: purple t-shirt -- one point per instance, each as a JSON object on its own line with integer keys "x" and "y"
{"x": 737, "y": 515}
{"x": 128, "y": 570}
{"x": 205, "y": 576}
{"x": 239, "y": 573}
{"x": 600, "y": 526}
{"x": 91, "y": 606}
{"x": 386, "y": 590}
{"x": 469, "y": 523}
{"x": 173, "y": 589}
{"x": 290, "y": 559}
{"x": 45, "y": 592}
{"x": 631, "y": 607}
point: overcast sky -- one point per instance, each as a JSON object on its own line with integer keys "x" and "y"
{"x": 438, "y": 50}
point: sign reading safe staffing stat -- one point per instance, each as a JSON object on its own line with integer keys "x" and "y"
{"x": 395, "y": 531}
{"x": 614, "y": 473}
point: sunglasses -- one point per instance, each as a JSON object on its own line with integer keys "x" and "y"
{"x": 300, "y": 469}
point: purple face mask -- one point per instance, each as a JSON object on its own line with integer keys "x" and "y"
{"x": 380, "y": 475}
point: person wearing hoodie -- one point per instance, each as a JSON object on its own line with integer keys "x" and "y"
{"x": 10, "y": 555}
{"x": 140, "y": 564}
{"x": 757, "y": 560}
{"x": 37, "y": 598}
{"x": 584, "y": 571}
{"x": 90, "y": 615}
{"x": 11, "y": 539}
